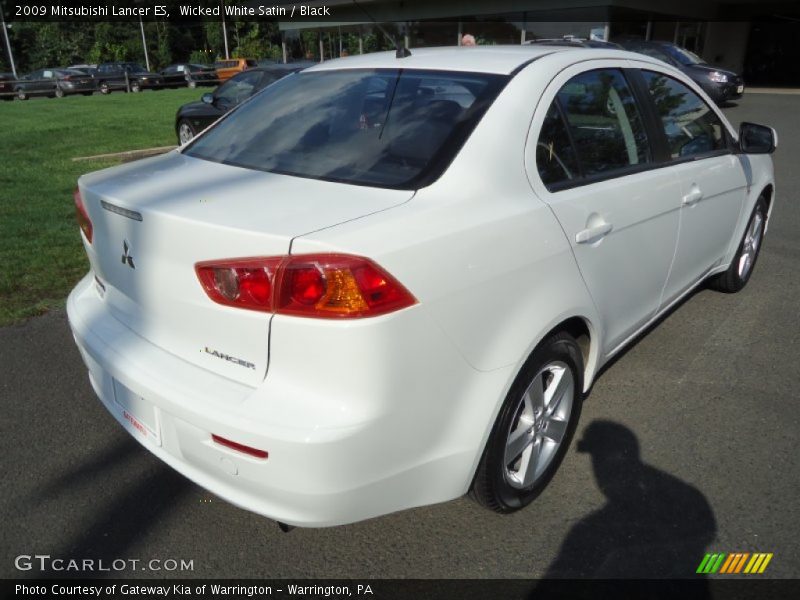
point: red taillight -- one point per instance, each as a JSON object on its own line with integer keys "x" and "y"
{"x": 239, "y": 447}
{"x": 328, "y": 286}
{"x": 84, "y": 222}
{"x": 244, "y": 283}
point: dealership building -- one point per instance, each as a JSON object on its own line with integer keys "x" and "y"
{"x": 758, "y": 39}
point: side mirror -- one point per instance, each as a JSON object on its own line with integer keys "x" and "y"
{"x": 208, "y": 98}
{"x": 757, "y": 139}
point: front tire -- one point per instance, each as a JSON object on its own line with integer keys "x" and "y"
{"x": 186, "y": 132}
{"x": 59, "y": 93}
{"x": 136, "y": 87}
{"x": 744, "y": 261}
{"x": 104, "y": 87}
{"x": 534, "y": 428}
{"x": 21, "y": 94}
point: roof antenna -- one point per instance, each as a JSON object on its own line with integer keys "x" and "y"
{"x": 400, "y": 50}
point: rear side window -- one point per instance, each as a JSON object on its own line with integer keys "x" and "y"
{"x": 555, "y": 156}
{"x": 604, "y": 122}
{"x": 691, "y": 126}
{"x": 385, "y": 127}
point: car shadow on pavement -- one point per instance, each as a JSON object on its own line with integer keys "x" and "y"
{"x": 122, "y": 524}
{"x": 96, "y": 467}
{"x": 652, "y": 526}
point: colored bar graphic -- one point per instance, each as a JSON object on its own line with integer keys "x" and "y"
{"x": 703, "y": 563}
{"x": 741, "y": 562}
{"x": 765, "y": 563}
{"x": 732, "y": 558}
{"x": 734, "y": 563}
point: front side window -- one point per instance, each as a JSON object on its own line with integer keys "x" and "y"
{"x": 604, "y": 122}
{"x": 394, "y": 128}
{"x": 691, "y": 126}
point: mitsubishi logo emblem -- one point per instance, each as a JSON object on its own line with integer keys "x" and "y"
{"x": 126, "y": 255}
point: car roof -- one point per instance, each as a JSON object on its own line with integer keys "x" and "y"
{"x": 502, "y": 60}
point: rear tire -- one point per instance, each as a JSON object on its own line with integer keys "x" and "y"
{"x": 744, "y": 261}
{"x": 104, "y": 87}
{"x": 533, "y": 429}
{"x": 22, "y": 95}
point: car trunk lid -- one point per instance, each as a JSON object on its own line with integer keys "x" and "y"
{"x": 153, "y": 220}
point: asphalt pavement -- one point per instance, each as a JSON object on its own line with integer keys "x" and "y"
{"x": 709, "y": 397}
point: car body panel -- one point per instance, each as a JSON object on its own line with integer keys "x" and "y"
{"x": 186, "y": 74}
{"x": 48, "y": 81}
{"x": 113, "y": 75}
{"x": 228, "y": 67}
{"x": 366, "y": 416}
{"x": 158, "y": 294}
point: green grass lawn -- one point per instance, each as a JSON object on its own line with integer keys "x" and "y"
{"x": 41, "y": 256}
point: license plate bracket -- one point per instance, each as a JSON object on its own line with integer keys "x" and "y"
{"x": 139, "y": 416}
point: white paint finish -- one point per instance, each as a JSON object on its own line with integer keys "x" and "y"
{"x": 365, "y": 417}
{"x": 707, "y": 223}
{"x": 195, "y": 210}
{"x": 623, "y": 267}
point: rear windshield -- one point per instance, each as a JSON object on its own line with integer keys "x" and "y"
{"x": 390, "y": 128}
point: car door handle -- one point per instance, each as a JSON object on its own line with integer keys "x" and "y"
{"x": 692, "y": 197}
{"x": 592, "y": 233}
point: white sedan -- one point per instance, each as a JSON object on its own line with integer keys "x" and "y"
{"x": 385, "y": 282}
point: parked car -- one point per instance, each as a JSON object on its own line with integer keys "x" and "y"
{"x": 7, "y": 81}
{"x": 229, "y": 67}
{"x": 722, "y": 85}
{"x": 191, "y": 75}
{"x": 87, "y": 68}
{"x": 112, "y": 76}
{"x": 193, "y": 117}
{"x": 352, "y": 295}
{"x": 569, "y": 40}
{"x": 54, "y": 82}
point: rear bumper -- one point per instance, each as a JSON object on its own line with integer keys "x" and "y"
{"x": 333, "y": 459}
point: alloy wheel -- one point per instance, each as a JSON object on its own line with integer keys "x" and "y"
{"x": 750, "y": 245}
{"x": 540, "y": 425}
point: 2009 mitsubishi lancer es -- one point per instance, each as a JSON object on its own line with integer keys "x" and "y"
{"x": 385, "y": 282}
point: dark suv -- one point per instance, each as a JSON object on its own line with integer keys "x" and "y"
{"x": 719, "y": 84}
{"x": 112, "y": 76}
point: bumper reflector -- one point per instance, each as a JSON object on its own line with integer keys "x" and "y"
{"x": 240, "y": 447}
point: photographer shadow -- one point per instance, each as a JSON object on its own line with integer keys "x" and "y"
{"x": 652, "y": 526}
